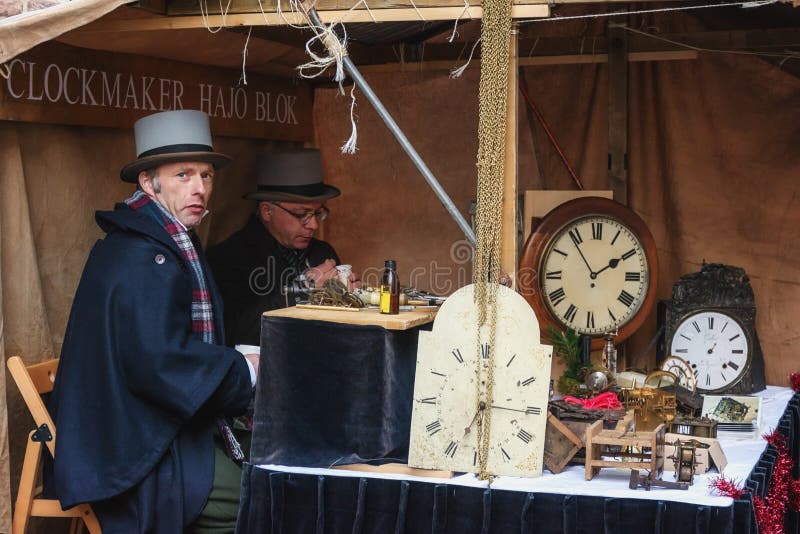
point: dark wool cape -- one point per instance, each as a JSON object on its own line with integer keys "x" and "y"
{"x": 137, "y": 392}
{"x": 251, "y": 268}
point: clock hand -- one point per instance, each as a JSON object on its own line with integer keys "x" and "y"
{"x": 711, "y": 350}
{"x": 509, "y": 409}
{"x": 478, "y": 412}
{"x": 612, "y": 263}
{"x": 592, "y": 273}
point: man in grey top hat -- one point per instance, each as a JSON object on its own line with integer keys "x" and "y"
{"x": 277, "y": 244}
{"x": 146, "y": 386}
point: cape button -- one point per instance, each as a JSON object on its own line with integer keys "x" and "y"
{"x": 160, "y": 259}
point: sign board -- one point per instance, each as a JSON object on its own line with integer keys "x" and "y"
{"x": 59, "y": 84}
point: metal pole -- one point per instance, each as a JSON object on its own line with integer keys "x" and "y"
{"x": 444, "y": 198}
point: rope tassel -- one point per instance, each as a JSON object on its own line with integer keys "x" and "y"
{"x": 336, "y": 51}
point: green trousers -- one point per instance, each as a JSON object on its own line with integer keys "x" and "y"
{"x": 219, "y": 514}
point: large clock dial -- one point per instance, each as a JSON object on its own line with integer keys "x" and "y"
{"x": 590, "y": 265}
{"x": 450, "y": 389}
{"x": 715, "y": 346}
{"x": 595, "y": 275}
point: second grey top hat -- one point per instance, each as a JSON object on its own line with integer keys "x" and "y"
{"x": 293, "y": 175}
{"x": 170, "y": 137}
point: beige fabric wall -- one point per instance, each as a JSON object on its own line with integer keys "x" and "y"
{"x": 714, "y": 169}
{"x": 52, "y": 179}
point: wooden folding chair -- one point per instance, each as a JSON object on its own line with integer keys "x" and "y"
{"x": 33, "y": 381}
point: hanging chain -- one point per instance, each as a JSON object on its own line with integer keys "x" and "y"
{"x": 495, "y": 33}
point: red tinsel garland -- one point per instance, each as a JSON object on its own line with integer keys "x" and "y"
{"x": 784, "y": 492}
{"x": 770, "y": 510}
{"x": 794, "y": 380}
{"x": 726, "y": 488}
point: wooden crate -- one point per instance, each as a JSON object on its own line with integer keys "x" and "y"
{"x": 560, "y": 444}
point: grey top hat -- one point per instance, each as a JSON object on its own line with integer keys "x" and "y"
{"x": 293, "y": 175}
{"x": 170, "y": 137}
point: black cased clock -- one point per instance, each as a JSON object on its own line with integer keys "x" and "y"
{"x": 711, "y": 324}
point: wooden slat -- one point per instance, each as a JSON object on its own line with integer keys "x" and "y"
{"x": 396, "y": 469}
{"x": 29, "y": 393}
{"x": 509, "y": 252}
{"x": 191, "y": 7}
{"x": 369, "y": 316}
{"x": 530, "y": 61}
{"x": 273, "y": 19}
{"x": 43, "y": 375}
{"x": 618, "y": 112}
{"x": 52, "y": 508}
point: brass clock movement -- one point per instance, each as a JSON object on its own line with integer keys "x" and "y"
{"x": 590, "y": 265}
{"x": 710, "y": 325}
{"x": 451, "y": 380}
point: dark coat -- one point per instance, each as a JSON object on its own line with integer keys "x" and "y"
{"x": 137, "y": 392}
{"x": 251, "y": 268}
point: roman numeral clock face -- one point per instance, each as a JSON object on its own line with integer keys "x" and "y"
{"x": 594, "y": 275}
{"x": 716, "y": 348}
{"x": 453, "y": 369}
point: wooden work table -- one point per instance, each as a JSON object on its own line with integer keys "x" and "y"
{"x": 404, "y": 320}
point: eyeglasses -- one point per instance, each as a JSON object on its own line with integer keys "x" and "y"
{"x": 320, "y": 214}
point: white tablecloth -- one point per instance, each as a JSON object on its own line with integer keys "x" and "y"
{"x": 741, "y": 453}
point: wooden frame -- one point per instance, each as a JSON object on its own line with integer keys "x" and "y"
{"x": 540, "y": 238}
{"x": 598, "y": 442}
{"x": 560, "y": 444}
{"x": 32, "y": 382}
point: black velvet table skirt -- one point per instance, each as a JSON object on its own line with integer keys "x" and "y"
{"x": 331, "y": 393}
{"x": 278, "y": 502}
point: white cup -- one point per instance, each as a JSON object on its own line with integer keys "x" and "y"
{"x": 345, "y": 271}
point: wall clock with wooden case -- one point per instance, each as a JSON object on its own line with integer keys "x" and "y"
{"x": 710, "y": 324}
{"x": 451, "y": 381}
{"x": 590, "y": 265}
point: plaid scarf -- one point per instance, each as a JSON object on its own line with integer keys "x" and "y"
{"x": 202, "y": 308}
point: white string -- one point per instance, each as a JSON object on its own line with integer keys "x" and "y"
{"x": 458, "y": 19}
{"x": 205, "y": 14}
{"x": 712, "y": 50}
{"x": 369, "y": 11}
{"x": 536, "y": 42}
{"x": 336, "y": 50}
{"x": 243, "y": 79}
{"x": 682, "y": 8}
{"x": 793, "y": 55}
{"x": 415, "y": 9}
{"x": 456, "y": 73}
{"x": 350, "y": 145}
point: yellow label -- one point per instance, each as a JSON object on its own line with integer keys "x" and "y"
{"x": 386, "y": 298}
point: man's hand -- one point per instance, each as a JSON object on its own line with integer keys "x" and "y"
{"x": 354, "y": 282}
{"x": 504, "y": 279}
{"x": 322, "y": 272}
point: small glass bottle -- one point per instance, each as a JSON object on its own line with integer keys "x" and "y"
{"x": 390, "y": 289}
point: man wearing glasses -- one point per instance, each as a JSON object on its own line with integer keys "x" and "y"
{"x": 277, "y": 244}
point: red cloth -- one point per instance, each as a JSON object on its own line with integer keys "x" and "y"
{"x": 604, "y": 401}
